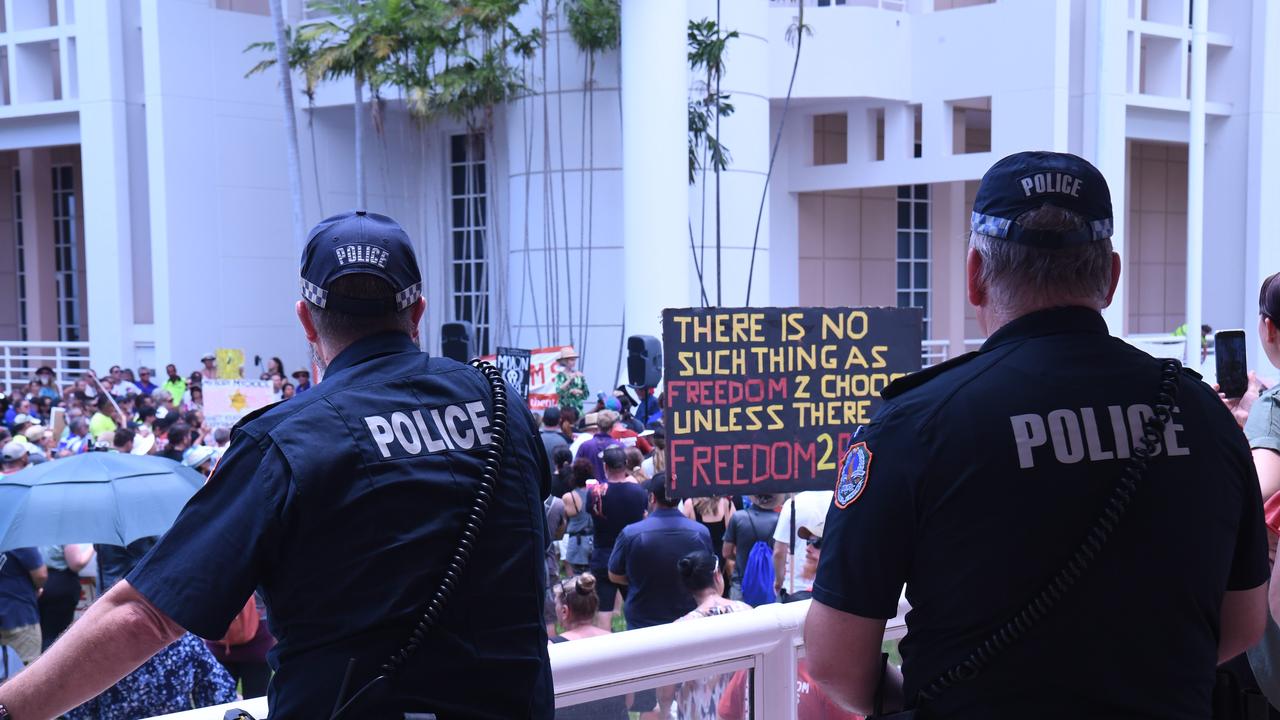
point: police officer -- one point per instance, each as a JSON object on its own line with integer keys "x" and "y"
{"x": 343, "y": 506}
{"x": 979, "y": 478}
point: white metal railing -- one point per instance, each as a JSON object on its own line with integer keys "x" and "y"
{"x": 19, "y": 360}
{"x": 768, "y": 640}
{"x": 1160, "y": 345}
{"x": 933, "y": 352}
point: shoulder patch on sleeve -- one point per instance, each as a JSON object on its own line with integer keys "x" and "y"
{"x": 855, "y": 471}
{"x": 920, "y": 377}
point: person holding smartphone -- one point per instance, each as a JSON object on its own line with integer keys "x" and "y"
{"x": 1256, "y": 409}
{"x": 1263, "y": 424}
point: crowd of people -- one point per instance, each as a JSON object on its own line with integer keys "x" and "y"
{"x": 625, "y": 554}
{"x": 135, "y": 412}
{"x": 622, "y": 547}
{"x": 625, "y": 548}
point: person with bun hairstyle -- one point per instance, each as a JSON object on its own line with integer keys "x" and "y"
{"x": 576, "y": 605}
{"x": 700, "y": 573}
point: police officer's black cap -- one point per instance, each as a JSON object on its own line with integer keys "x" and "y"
{"x": 1027, "y": 181}
{"x": 360, "y": 242}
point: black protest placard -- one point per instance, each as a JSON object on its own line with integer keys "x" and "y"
{"x": 765, "y": 400}
{"x": 514, "y": 363}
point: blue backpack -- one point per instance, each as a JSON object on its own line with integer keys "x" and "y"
{"x": 757, "y": 576}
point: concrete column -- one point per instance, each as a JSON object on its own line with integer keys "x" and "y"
{"x": 37, "y": 244}
{"x": 655, "y": 199}
{"x": 950, "y": 223}
{"x": 899, "y": 132}
{"x": 1104, "y": 127}
{"x": 1263, "y": 185}
{"x": 784, "y": 219}
{"x": 938, "y": 129}
{"x": 1195, "y": 181}
{"x": 104, "y": 156}
{"x": 749, "y": 140}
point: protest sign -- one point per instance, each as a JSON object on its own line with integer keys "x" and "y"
{"x": 765, "y": 400}
{"x": 544, "y": 363}
{"x": 514, "y": 363}
{"x": 226, "y": 401}
{"x": 230, "y": 363}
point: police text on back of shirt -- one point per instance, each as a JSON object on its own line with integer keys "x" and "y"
{"x": 1070, "y": 436}
{"x": 418, "y": 431}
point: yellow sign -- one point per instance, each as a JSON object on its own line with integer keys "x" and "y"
{"x": 230, "y": 364}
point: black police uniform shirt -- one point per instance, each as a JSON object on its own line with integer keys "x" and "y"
{"x": 977, "y": 481}
{"x": 344, "y": 506}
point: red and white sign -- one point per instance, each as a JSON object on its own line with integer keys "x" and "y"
{"x": 543, "y": 366}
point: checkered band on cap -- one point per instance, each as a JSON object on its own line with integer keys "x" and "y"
{"x": 989, "y": 225}
{"x": 408, "y": 296}
{"x": 313, "y": 293}
{"x": 999, "y": 227}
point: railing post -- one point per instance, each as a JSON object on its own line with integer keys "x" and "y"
{"x": 775, "y": 682}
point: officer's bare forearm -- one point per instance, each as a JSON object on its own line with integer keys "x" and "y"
{"x": 116, "y": 635}
{"x": 1244, "y": 617}
{"x": 843, "y": 654}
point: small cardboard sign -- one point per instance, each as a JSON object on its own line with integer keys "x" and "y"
{"x": 226, "y": 401}
{"x": 514, "y": 365}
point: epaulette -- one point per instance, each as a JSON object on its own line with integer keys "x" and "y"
{"x": 1194, "y": 375}
{"x": 916, "y": 379}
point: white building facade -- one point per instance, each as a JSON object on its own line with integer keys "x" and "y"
{"x": 144, "y": 197}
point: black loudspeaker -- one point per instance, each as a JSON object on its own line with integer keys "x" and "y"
{"x": 457, "y": 340}
{"x": 644, "y": 361}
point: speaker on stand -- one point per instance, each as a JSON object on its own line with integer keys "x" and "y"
{"x": 644, "y": 367}
{"x": 457, "y": 340}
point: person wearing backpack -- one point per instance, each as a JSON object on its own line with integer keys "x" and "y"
{"x": 746, "y": 529}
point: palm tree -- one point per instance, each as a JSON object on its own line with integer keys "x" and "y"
{"x": 358, "y": 49}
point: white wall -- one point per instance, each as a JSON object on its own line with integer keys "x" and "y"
{"x": 224, "y": 269}
{"x": 1155, "y": 258}
{"x": 748, "y": 62}
{"x": 563, "y": 201}
{"x": 847, "y": 251}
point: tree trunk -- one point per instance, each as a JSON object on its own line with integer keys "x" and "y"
{"x": 315, "y": 156}
{"x": 290, "y": 127}
{"x": 361, "y": 198}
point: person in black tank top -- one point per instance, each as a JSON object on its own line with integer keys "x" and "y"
{"x": 697, "y": 508}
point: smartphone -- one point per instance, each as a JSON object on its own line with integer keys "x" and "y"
{"x": 1233, "y": 373}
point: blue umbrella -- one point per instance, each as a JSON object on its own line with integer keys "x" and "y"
{"x": 96, "y": 497}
